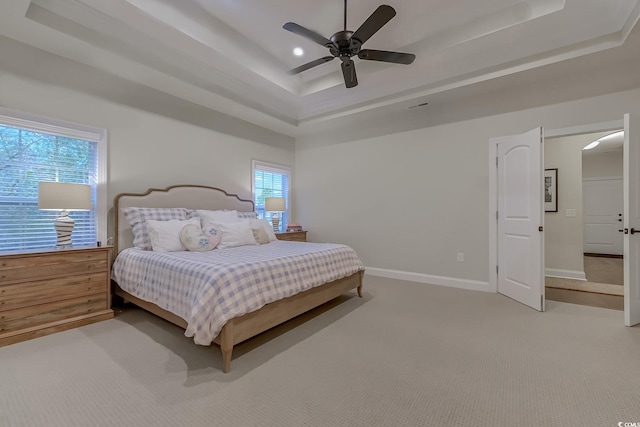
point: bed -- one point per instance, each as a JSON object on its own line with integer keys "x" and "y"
{"x": 223, "y": 296}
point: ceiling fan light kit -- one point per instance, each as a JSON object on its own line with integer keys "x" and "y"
{"x": 346, "y": 44}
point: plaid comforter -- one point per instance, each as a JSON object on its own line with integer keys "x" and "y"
{"x": 209, "y": 288}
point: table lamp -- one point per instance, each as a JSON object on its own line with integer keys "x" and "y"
{"x": 275, "y": 205}
{"x": 64, "y": 196}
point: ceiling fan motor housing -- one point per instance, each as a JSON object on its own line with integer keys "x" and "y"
{"x": 346, "y": 46}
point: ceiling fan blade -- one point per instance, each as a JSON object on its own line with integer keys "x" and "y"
{"x": 386, "y": 56}
{"x": 378, "y": 18}
{"x": 311, "y": 64}
{"x": 349, "y": 74}
{"x": 307, "y": 33}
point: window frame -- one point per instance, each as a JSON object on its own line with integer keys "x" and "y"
{"x": 38, "y": 123}
{"x": 275, "y": 168}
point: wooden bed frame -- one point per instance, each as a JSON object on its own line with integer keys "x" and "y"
{"x": 240, "y": 328}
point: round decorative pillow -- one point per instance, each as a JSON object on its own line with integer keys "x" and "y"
{"x": 194, "y": 239}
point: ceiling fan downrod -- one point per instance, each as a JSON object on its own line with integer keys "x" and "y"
{"x": 345, "y": 15}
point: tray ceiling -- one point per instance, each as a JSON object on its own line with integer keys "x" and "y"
{"x": 232, "y": 56}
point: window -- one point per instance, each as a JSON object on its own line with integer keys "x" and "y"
{"x": 270, "y": 180}
{"x": 33, "y": 149}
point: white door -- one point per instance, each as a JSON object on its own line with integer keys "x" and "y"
{"x": 520, "y": 217}
{"x": 602, "y": 201}
{"x": 631, "y": 174}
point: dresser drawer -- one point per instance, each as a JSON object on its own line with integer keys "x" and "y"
{"x": 63, "y": 263}
{"x": 24, "y": 317}
{"x": 43, "y": 291}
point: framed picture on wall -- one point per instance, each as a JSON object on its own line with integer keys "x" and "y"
{"x": 551, "y": 190}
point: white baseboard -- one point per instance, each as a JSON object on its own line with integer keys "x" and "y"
{"x": 565, "y": 274}
{"x": 452, "y": 282}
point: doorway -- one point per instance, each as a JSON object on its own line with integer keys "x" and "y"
{"x": 631, "y": 211}
{"x": 583, "y": 245}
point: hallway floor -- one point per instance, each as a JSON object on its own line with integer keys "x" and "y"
{"x": 603, "y": 287}
{"x": 604, "y": 270}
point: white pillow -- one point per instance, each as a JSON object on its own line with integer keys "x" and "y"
{"x": 217, "y": 216}
{"x": 234, "y": 234}
{"x": 267, "y": 227}
{"x": 165, "y": 235}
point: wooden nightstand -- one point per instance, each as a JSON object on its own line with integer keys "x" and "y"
{"x": 42, "y": 292}
{"x": 293, "y": 236}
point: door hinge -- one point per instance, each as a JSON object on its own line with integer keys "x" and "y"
{"x": 496, "y": 215}
{"x": 541, "y": 228}
{"x": 497, "y": 269}
{"x": 496, "y": 162}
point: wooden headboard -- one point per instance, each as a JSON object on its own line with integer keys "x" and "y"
{"x": 176, "y": 196}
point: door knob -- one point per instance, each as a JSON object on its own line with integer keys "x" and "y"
{"x": 633, "y": 230}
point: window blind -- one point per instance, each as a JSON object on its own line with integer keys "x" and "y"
{"x": 29, "y": 156}
{"x": 270, "y": 180}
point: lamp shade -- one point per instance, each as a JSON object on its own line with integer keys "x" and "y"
{"x": 275, "y": 204}
{"x": 64, "y": 196}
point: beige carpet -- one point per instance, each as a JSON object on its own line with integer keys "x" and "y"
{"x": 406, "y": 354}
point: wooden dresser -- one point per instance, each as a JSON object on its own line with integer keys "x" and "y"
{"x": 294, "y": 236}
{"x": 42, "y": 292}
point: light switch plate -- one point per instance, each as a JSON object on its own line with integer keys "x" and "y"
{"x": 570, "y": 213}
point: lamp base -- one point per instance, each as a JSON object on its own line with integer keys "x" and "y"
{"x": 64, "y": 226}
{"x": 275, "y": 220}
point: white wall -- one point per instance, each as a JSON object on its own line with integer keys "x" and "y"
{"x": 564, "y": 233}
{"x": 154, "y": 140}
{"x": 564, "y": 236}
{"x": 406, "y": 201}
{"x": 409, "y": 202}
{"x": 602, "y": 165}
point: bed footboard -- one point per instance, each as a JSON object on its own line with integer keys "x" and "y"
{"x": 251, "y": 324}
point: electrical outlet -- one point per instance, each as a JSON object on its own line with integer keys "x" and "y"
{"x": 460, "y": 257}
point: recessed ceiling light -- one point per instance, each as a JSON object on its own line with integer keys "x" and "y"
{"x": 298, "y": 51}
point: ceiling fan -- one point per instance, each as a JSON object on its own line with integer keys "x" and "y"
{"x": 345, "y": 44}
